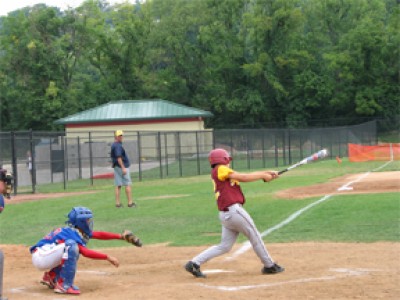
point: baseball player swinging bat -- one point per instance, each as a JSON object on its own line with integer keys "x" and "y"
{"x": 318, "y": 155}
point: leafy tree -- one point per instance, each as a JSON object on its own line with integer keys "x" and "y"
{"x": 251, "y": 62}
{"x": 115, "y": 45}
{"x": 174, "y": 57}
{"x": 39, "y": 59}
{"x": 358, "y": 71}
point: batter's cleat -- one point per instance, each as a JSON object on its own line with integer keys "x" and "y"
{"x": 194, "y": 268}
{"x": 274, "y": 269}
{"x": 71, "y": 290}
{"x": 48, "y": 280}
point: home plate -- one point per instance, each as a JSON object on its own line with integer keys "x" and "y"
{"x": 345, "y": 188}
{"x": 216, "y": 271}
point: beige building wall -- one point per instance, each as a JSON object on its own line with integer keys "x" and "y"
{"x": 176, "y": 137}
{"x": 81, "y": 131}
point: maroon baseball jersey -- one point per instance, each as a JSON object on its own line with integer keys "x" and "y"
{"x": 227, "y": 191}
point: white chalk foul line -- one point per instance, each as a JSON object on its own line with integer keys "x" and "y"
{"x": 344, "y": 273}
{"x": 246, "y": 245}
{"x": 216, "y": 271}
{"x": 347, "y": 186}
{"x": 93, "y": 272}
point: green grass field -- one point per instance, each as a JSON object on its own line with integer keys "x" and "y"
{"x": 183, "y": 212}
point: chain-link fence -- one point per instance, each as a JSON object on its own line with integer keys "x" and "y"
{"x": 37, "y": 159}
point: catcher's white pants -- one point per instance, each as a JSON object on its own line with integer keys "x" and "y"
{"x": 236, "y": 221}
{"x": 48, "y": 256}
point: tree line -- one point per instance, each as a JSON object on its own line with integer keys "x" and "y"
{"x": 251, "y": 63}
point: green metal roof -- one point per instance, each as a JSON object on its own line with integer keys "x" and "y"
{"x": 135, "y": 110}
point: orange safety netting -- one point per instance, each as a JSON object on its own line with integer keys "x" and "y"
{"x": 384, "y": 152}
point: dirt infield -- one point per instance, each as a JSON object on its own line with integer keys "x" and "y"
{"x": 40, "y": 196}
{"x": 313, "y": 270}
{"x": 379, "y": 182}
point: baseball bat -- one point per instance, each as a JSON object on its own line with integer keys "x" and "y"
{"x": 316, "y": 156}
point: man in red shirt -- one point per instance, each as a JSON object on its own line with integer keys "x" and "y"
{"x": 234, "y": 218}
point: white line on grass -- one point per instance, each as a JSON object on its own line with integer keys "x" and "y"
{"x": 246, "y": 245}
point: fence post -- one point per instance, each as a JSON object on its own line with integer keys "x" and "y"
{"x": 213, "y": 140}
{"x": 248, "y": 150}
{"x": 140, "y": 156}
{"x": 33, "y": 162}
{"x": 51, "y": 160}
{"x": 301, "y": 143}
{"x": 166, "y": 153}
{"x": 321, "y": 143}
{"x": 178, "y": 141}
{"x": 276, "y": 150}
{"x": 347, "y": 141}
{"x": 290, "y": 146}
{"x": 63, "y": 148}
{"x": 341, "y": 142}
{"x": 263, "y": 147}
{"x": 284, "y": 146}
{"x": 198, "y": 153}
{"x": 1, "y": 275}
{"x": 90, "y": 158}
{"x": 66, "y": 163}
{"x": 14, "y": 162}
{"x": 79, "y": 158}
{"x": 231, "y": 146}
{"x": 331, "y": 137}
{"x": 159, "y": 153}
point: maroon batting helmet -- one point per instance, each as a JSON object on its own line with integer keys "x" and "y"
{"x": 219, "y": 156}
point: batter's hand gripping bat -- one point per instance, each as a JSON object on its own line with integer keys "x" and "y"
{"x": 319, "y": 155}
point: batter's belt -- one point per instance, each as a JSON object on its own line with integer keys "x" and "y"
{"x": 228, "y": 208}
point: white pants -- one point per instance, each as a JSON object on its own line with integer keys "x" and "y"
{"x": 236, "y": 221}
{"x": 48, "y": 256}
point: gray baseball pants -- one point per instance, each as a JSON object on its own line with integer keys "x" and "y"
{"x": 236, "y": 221}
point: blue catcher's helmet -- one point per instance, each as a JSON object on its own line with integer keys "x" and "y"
{"x": 82, "y": 218}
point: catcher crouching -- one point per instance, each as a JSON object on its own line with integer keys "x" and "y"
{"x": 58, "y": 252}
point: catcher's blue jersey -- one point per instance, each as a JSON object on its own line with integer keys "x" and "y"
{"x": 60, "y": 235}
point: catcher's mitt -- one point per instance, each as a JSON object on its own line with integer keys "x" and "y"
{"x": 131, "y": 238}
